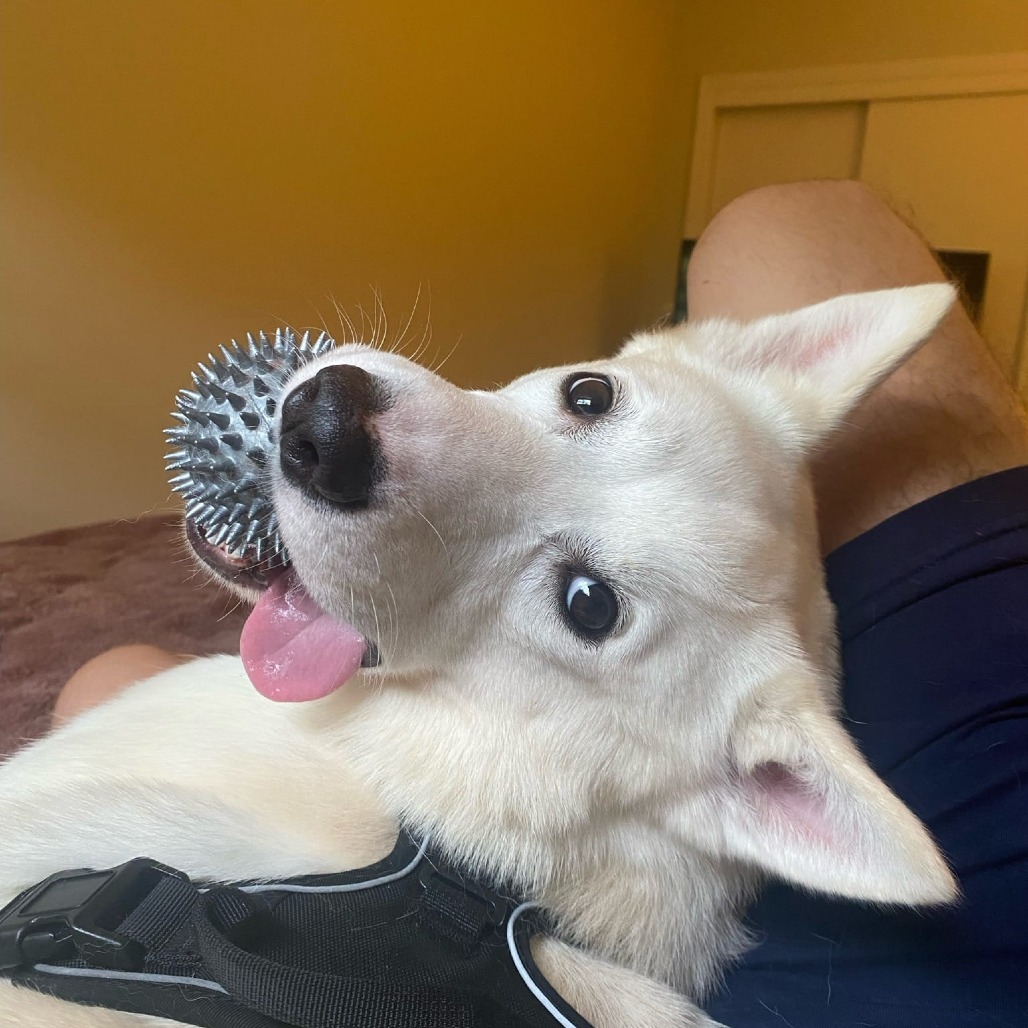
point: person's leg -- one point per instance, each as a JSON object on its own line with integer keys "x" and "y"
{"x": 107, "y": 674}
{"x": 946, "y": 417}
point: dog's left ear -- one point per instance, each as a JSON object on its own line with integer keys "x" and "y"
{"x": 829, "y": 355}
{"x": 803, "y": 804}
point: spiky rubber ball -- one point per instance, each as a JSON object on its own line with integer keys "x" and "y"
{"x": 224, "y": 438}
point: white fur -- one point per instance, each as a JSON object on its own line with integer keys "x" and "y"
{"x": 640, "y": 787}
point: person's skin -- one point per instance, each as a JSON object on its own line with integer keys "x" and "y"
{"x": 108, "y": 673}
{"x": 944, "y": 418}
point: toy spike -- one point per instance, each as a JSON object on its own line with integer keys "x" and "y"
{"x": 223, "y": 439}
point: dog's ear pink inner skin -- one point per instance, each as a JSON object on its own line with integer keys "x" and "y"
{"x": 804, "y": 805}
{"x": 840, "y": 349}
{"x": 292, "y": 650}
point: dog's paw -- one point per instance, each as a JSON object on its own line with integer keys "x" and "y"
{"x": 609, "y": 996}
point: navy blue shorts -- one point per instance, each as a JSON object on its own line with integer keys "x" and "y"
{"x": 933, "y": 615}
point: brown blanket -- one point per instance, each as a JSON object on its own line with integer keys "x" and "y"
{"x": 67, "y": 596}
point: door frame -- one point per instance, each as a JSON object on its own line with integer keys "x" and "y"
{"x": 885, "y": 80}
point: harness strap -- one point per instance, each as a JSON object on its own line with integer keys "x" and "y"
{"x": 410, "y": 942}
{"x": 310, "y": 999}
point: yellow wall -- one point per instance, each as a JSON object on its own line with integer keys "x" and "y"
{"x": 722, "y": 36}
{"x": 176, "y": 173}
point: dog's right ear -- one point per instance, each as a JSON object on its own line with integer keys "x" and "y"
{"x": 835, "y": 352}
{"x": 824, "y": 358}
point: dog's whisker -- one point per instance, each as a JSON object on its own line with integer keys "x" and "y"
{"x": 321, "y": 318}
{"x": 453, "y": 350}
{"x": 426, "y": 339}
{"x": 373, "y": 317}
{"x": 442, "y": 542}
{"x": 380, "y": 312}
{"x": 394, "y": 641}
{"x": 366, "y": 324}
{"x": 398, "y": 347}
{"x": 231, "y": 610}
{"x": 355, "y": 336}
{"x": 340, "y": 314}
{"x": 378, "y": 628}
{"x": 347, "y": 324}
{"x": 394, "y": 615}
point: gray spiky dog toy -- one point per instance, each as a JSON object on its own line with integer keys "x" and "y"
{"x": 224, "y": 438}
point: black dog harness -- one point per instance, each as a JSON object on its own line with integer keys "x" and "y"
{"x": 409, "y": 942}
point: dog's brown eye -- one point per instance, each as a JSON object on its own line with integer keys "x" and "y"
{"x": 589, "y": 395}
{"x": 592, "y": 606}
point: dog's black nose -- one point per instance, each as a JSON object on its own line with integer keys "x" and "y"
{"x": 325, "y": 447}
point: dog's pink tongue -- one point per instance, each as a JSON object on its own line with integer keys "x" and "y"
{"x": 292, "y": 650}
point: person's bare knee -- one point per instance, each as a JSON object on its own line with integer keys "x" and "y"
{"x": 108, "y": 674}
{"x": 781, "y": 247}
{"x": 946, "y": 417}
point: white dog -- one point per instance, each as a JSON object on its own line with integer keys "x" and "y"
{"x": 603, "y": 662}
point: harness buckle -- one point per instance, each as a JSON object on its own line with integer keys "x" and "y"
{"x": 76, "y": 914}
